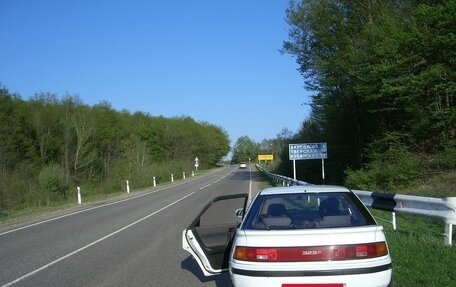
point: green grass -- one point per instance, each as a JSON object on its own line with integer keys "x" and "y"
{"x": 419, "y": 256}
{"x": 32, "y": 212}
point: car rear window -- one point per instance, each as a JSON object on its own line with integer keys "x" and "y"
{"x": 309, "y": 210}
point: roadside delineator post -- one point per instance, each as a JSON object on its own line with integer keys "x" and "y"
{"x": 79, "y": 195}
{"x": 448, "y": 239}
{"x": 393, "y": 220}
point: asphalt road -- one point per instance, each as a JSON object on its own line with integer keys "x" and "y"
{"x": 132, "y": 242}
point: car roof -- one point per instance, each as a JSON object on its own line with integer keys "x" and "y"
{"x": 303, "y": 189}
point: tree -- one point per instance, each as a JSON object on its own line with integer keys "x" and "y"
{"x": 11, "y": 130}
{"x": 54, "y": 143}
{"x": 244, "y": 149}
{"x": 84, "y": 152}
{"x": 320, "y": 37}
{"x": 46, "y": 124}
{"x": 376, "y": 67}
{"x": 108, "y": 133}
{"x": 216, "y": 143}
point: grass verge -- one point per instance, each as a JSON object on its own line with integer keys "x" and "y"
{"x": 89, "y": 197}
{"x": 419, "y": 256}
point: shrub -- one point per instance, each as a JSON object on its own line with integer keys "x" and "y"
{"x": 359, "y": 179}
{"x": 52, "y": 179}
{"x": 445, "y": 159}
{"x": 394, "y": 168}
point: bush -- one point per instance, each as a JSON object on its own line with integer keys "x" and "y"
{"x": 445, "y": 159}
{"x": 392, "y": 169}
{"x": 52, "y": 179}
{"x": 359, "y": 179}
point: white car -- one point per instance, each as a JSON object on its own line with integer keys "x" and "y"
{"x": 299, "y": 236}
{"x": 242, "y": 165}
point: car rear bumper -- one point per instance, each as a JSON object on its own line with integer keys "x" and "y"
{"x": 305, "y": 273}
{"x": 379, "y": 276}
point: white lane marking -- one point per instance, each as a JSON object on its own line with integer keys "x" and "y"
{"x": 70, "y": 214}
{"x": 93, "y": 243}
{"x": 205, "y": 186}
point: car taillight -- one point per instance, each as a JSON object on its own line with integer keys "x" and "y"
{"x": 313, "y": 253}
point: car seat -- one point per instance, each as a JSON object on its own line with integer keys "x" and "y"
{"x": 277, "y": 217}
{"x": 277, "y": 209}
{"x": 329, "y": 207}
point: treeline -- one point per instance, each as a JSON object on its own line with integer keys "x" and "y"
{"x": 50, "y": 145}
{"x": 384, "y": 81}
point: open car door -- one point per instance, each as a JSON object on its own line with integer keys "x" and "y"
{"x": 209, "y": 237}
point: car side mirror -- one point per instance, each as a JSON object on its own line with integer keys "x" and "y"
{"x": 239, "y": 212}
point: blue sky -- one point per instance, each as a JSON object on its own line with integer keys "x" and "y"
{"x": 215, "y": 61}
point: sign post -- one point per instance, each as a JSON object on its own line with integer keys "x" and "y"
{"x": 323, "y": 170}
{"x": 308, "y": 151}
{"x": 294, "y": 169}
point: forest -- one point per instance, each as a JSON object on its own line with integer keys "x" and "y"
{"x": 382, "y": 74}
{"x": 383, "y": 81}
{"x": 50, "y": 145}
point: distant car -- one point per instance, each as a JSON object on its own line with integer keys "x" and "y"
{"x": 242, "y": 165}
{"x": 232, "y": 164}
{"x": 296, "y": 236}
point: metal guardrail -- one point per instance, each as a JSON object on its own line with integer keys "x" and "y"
{"x": 443, "y": 209}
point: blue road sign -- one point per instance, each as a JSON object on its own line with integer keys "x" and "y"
{"x": 308, "y": 151}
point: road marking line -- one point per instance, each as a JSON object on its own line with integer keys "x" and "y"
{"x": 93, "y": 243}
{"x": 205, "y": 186}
